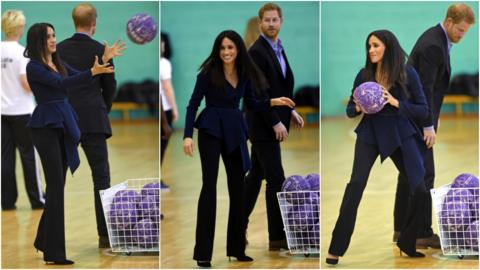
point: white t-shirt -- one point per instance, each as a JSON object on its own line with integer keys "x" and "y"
{"x": 165, "y": 74}
{"x": 15, "y": 99}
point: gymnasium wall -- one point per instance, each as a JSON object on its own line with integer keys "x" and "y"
{"x": 345, "y": 26}
{"x": 193, "y": 26}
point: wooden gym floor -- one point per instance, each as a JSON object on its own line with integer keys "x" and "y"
{"x": 371, "y": 247}
{"x": 300, "y": 155}
{"x": 133, "y": 153}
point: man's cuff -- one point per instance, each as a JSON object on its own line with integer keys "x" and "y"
{"x": 277, "y": 124}
{"x": 430, "y": 128}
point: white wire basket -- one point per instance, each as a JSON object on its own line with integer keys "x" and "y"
{"x": 132, "y": 214}
{"x": 300, "y": 214}
{"x": 457, "y": 217}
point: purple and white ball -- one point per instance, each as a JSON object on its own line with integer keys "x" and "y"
{"x": 466, "y": 180}
{"x": 146, "y": 233}
{"x": 123, "y": 215}
{"x": 314, "y": 202}
{"x": 301, "y": 217}
{"x": 471, "y": 235}
{"x": 313, "y": 180}
{"x": 369, "y": 96}
{"x": 126, "y": 195}
{"x": 124, "y": 238}
{"x": 314, "y": 236}
{"x": 141, "y": 28}
{"x": 149, "y": 208}
{"x": 455, "y": 215}
{"x": 296, "y": 183}
{"x": 151, "y": 189}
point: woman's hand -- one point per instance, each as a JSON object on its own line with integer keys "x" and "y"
{"x": 188, "y": 146}
{"x": 115, "y": 50}
{"x": 282, "y": 101}
{"x": 99, "y": 69}
{"x": 390, "y": 99}
{"x": 357, "y": 107}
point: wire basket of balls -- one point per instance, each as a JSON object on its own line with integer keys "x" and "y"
{"x": 300, "y": 208}
{"x": 132, "y": 214}
{"x": 456, "y": 208}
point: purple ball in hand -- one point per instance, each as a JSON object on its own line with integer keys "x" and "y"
{"x": 369, "y": 96}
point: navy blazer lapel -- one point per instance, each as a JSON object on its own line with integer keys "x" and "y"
{"x": 288, "y": 70}
{"x": 444, "y": 43}
{"x": 273, "y": 57}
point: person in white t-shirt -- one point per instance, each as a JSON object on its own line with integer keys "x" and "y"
{"x": 16, "y": 108}
{"x": 167, "y": 93}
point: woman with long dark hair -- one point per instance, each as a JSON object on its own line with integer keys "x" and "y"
{"x": 55, "y": 131}
{"x": 392, "y": 132}
{"x": 225, "y": 77}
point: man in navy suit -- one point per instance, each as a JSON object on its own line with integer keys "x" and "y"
{"x": 431, "y": 58}
{"x": 269, "y": 128}
{"x": 92, "y": 103}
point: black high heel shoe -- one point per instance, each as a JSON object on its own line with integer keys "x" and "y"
{"x": 204, "y": 263}
{"x": 59, "y": 262}
{"x": 410, "y": 253}
{"x": 37, "y": 248}
{"x": 331, "y": 261}
{"x": 242, "y": 258}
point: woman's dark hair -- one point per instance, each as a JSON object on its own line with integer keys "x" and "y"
{"x": 167, "y": 53}
{"x": 36, "y": 48}
{"x": 393, "y": 62}
{"x": 246, "y": 68}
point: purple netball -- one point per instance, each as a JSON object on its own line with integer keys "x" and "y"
{"x": 313, "y": 180}
{"x": 314, "y": 202}
{"x": 126, "y": 195}
{"x": 369, "y": 96}
{"x": 151, "y": 189}
{"x": 314, "y": 236}
{"x": 460, "y": 194}
{"x": 465, "y": 180}
{"x": 296, "y": 183}
{"x": 471, "y": 235}
{"x": 455, "y": 215}
{"x": 141, "y": 28}
{"x": 145, "y": 233}
{"x": 123, "y": 214}
{"x": 301, "y": 217}
{"x": 148, "y": 207}
{"x": 123, "y": 238}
